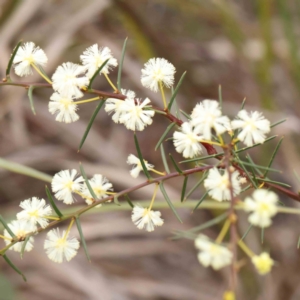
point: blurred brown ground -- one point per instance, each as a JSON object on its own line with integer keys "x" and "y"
{"x": 251, "y": 48}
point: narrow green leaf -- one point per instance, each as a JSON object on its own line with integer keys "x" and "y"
{"x": 121, "y": 65}
{"x": 87, "y": 182}
{"x": 298, "y": 244}
{"x": 29, "y": 93}
{"x": 256, "y": 166}
{"x": 128, "y": 200}
{"x": 246, "y": 188}
{"x": 52, "y": 203}
{"x": 176, "y": 91}
{"x": 10, "y": 62}
{"x": 246, "y": 171}
{"x": 184, "y": 234}
{"x": 184, "y": 188}
{"x": 255, "y": 145}
{"x": 297, "y": 176}
{"x": 243, "y": 104}
{"x": 14, "y": 267}
{"x": 7, "y": 227}
{"x": 95, "y": 113}
{"x": 201, "y": 200}
{"x": 162, "y": 188}
{"x": 20, "y": 169}
{"x": 141, "y": 157}
{"x": 82, "y": 239}
{"x": 220, "y": 96}
{"x": 273, "y": 156}
{"x": 174, "y": 164}
{"x": 24, "y": 246}
{"x": 164, "y": 159}
{"x": 277, "y": 123}
{"x": 201, "y": 158}
{"x": 198, "y": 183}
{"x": 275, "y": 182}
{"x": 262, "y": 235}
{"x": 247, "y": 231}
{"x": 96, "y": 73}
{"x": 206, "y": 225}
{"x": 116, "y": 201}
{"x": 185, "y": 114}
{"x": 164, "y": 135}
{"x": 253, "y": 173}
{"x": 175, "y": 106}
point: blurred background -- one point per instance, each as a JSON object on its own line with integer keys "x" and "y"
{"x": 251, "y": 48}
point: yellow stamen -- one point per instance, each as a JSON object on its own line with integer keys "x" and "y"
{"x": 111, "y": 84}
{"x": 153, "y": 197}
{"x": 68, "y": 230}
{"x": 157, "y": 172}
{"x": 51, "y": 218}
{"x": 38, "y": 70}
{"x": 246, "y": 249}
{"x": 80, "y": 194}
{"x": 223, "y": 231}
{"x": 211, "y": 142}
{"x": 261, "y": 185}
{"x": 221, "y": 139}
{"x": 5, "y": 238}
{"x": 87, "y": 100}
{"x": 229, "y": 295}
{"x": 162, "y": 94}
{"x": 110, "y": 193}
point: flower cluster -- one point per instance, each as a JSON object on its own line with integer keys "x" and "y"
{"x": 60, "y": 246}
{"x": 27, "y": 57}
{"x": 212, "y": 254}
{"x": 132, "y": 112}
{"x": 206, "y": 119}
{"x": 205, "y": 125}
{"x": 66, "y": 184}
{"x": 69, "y": 79}
{"x": 146, "y": 218}
{"x": 137, "y": 166}
{"x": 218, "y": 185}
{"x": 35, "y": 212}
{"x": 156, "y": 72}
{"x": 263, "y": 206}
{"x": 263, "y": 263}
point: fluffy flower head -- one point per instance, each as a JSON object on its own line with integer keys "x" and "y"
{"x": 263, "y": 207}
{"x": 206, "y": 116}
{"x": 64, "y": 184}
{"x": 218, "y": 184}
{"x": 263, "y": 263}
{"x": 100, "y": 186}
{"x": 35, "y": 210}
{"x": 20, "y": 228}
{"x": 156, "y": 71}
{"x": 118, "y": 106}
{"x": 137, "y": 166}
{"x": 59, "y": 247}
{"x": 65, "y": 108}
{"x": 187, "y": 141}
{"x": 93, "y": 58}
{"x": 135, "y": 117}
{"x": 145, "y": 218}
{"x": 212, "y": 254}
{"x": 254, "y": 127}
{"x": 68, "y": 79}
{"x": 26, "y": 56}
